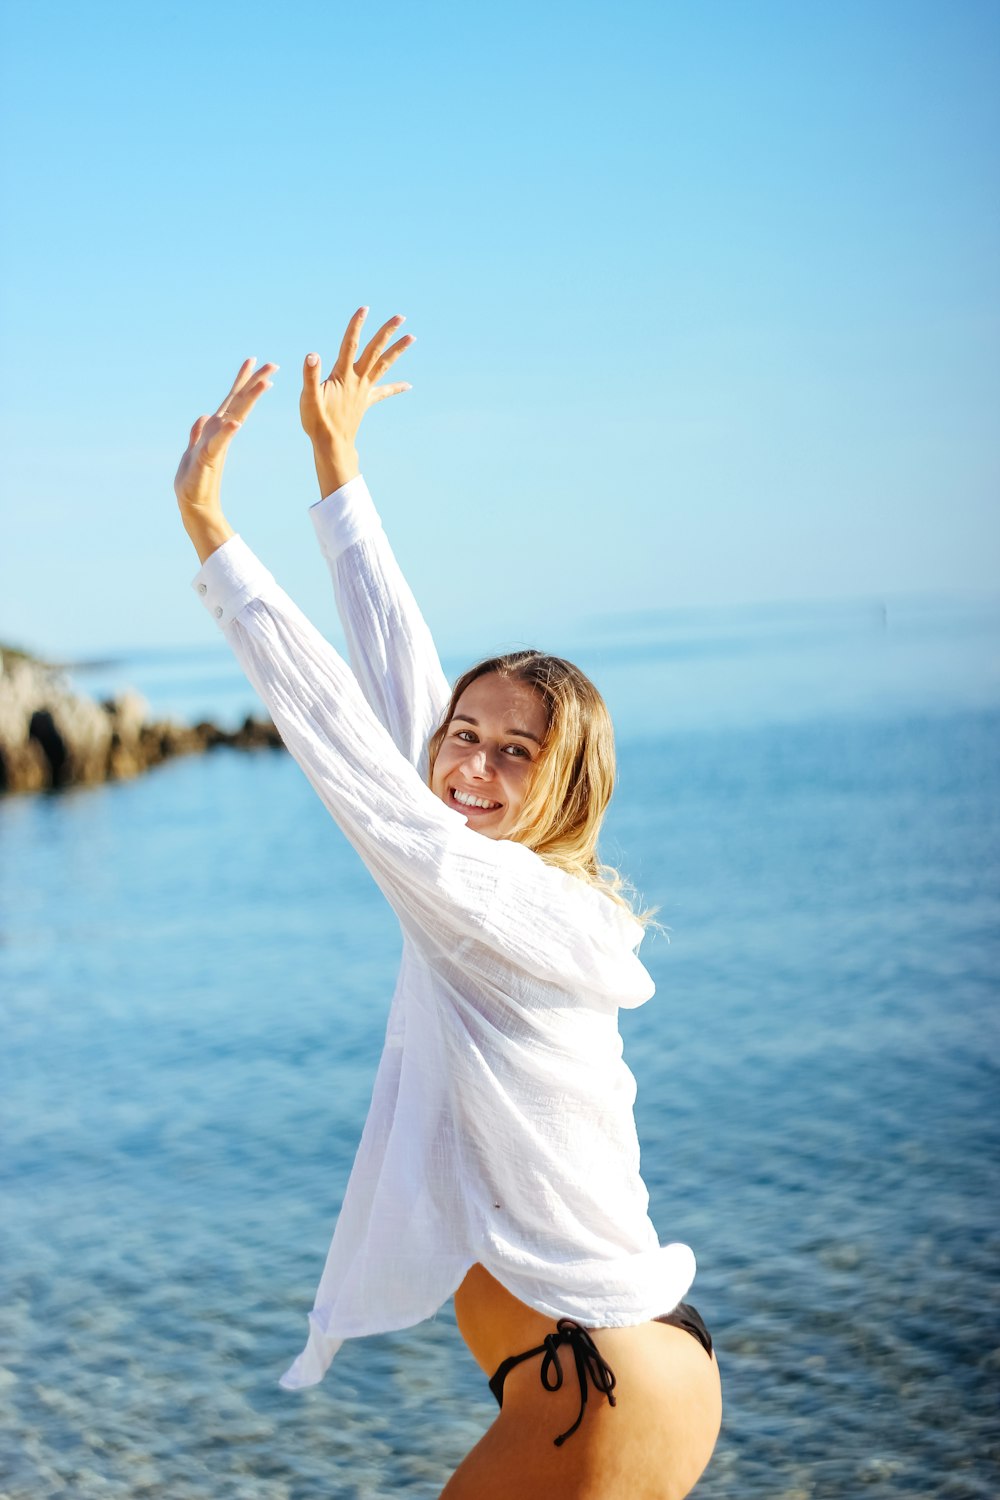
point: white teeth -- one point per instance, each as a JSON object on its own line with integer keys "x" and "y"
{"x": 468, "y": 801}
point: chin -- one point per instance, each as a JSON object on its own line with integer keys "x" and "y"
{"x": 496, "y": 832}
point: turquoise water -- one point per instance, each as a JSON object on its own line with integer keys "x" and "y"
{"x": 195, "y": 971}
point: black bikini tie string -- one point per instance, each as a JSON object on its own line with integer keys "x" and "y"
{"x": 589, "y": 1364}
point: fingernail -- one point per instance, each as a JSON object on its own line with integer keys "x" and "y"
{"x": 312, "y": 359}
{"x": 399, "y": 318}
{"x": 361, "y": 310}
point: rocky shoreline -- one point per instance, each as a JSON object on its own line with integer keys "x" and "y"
{"x": 52, "y": 737}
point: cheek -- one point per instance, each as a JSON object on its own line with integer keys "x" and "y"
{"x": 445, "y": 765}
{"x": 518, "y": 779}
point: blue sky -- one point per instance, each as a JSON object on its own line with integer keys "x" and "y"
{"x": 706, "y": 300}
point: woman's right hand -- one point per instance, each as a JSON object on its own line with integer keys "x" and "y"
{"x": 332, "y": 409}
{"x": 198, "y": 481}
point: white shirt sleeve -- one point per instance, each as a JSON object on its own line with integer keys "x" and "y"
{"x": 447, "y": 884}
{"x": 391, "y": 650}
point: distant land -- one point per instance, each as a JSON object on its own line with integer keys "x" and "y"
{"x": 52, "y": 737}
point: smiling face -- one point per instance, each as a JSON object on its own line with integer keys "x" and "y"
{"x": 488, "y": 754}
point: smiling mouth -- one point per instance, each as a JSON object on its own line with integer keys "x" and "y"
{"x": 473, "y": 804}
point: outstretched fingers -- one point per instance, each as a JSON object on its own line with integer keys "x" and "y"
{"x": 211, "y": 435}
{"x": 389, "y": 358}
{"x": 242, "y": 376}
{"x": 246, "y": 391}
{"x": 348, "y": 345}
{"x": 373, "y": 349}
{"x": 333, "y": 408}
{"x": 379, "y": 392}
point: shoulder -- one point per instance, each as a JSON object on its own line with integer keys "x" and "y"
{"x": 565, "y": 930}
{"x": 592, "y": 906}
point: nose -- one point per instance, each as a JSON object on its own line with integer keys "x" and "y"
{"x": 477, "y": 762}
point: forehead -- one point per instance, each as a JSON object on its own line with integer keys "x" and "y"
{"x": 504, "y": 703}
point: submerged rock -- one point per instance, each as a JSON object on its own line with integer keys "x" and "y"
{"x": 51, "y": 736}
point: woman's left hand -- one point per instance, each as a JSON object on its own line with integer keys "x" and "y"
{"x": 332, "y": 409}
{"x": 198, "y": 482}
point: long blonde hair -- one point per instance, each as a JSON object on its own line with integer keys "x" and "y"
{"x": 574, "y": 775}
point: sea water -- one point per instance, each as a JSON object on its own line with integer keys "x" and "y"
{"x": 195, "y": 970}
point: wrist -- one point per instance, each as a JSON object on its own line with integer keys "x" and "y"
{"x": 207, "y": 532}
{"x": 335, "y": 465}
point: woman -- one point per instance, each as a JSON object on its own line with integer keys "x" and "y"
{"x": 499, "y": 1161}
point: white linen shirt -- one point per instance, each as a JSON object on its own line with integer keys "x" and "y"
{"x": 501, "y": 1126}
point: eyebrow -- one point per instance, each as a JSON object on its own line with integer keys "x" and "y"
{"x": 521, "y": 734}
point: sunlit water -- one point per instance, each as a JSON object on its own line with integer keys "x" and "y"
{"x": 195, "y": 972}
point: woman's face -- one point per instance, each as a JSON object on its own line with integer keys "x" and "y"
{"x": 488, "y": 754}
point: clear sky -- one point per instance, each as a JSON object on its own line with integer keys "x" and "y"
{"x": 706, "y": 299}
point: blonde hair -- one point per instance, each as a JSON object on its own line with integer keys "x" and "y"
{"x": 574, "y": 774}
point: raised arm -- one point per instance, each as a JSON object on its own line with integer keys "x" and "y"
{"x": 473, "y": 899}
{"x": 452, "y": 888}
{"x": 391, "y": 649}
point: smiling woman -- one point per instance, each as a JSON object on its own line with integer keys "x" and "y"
{"x": 485, "y": 754}
{"x": 499, "y": 1162}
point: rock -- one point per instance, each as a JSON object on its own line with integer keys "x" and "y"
{"x": 211, "y": 734}
{"x": 128, "y": 713}
{"x": 256, "y": 734}
{"x": 52, "y": 737}
{"x": 23, "y": 768}
{"x": 22, "y": 687}
{"x": 178, "y": 739}
{"x": 75, "y": 736}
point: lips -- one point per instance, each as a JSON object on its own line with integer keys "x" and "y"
{"x": 470, "y": 803}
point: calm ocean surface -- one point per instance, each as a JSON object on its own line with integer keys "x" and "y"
{"x": 195, "y": 970}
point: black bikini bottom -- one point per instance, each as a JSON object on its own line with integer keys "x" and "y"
{"x": 588, "y": 1360}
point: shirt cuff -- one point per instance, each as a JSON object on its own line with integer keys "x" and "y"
{"x": 229, "y": 579}
{"x": 343, "y": 518}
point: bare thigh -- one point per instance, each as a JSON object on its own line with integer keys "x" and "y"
{"x": 652, "y": 1445}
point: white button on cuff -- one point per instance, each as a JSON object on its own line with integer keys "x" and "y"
{"x": 203, "y": 588}
{"x": 218, "y": 611}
